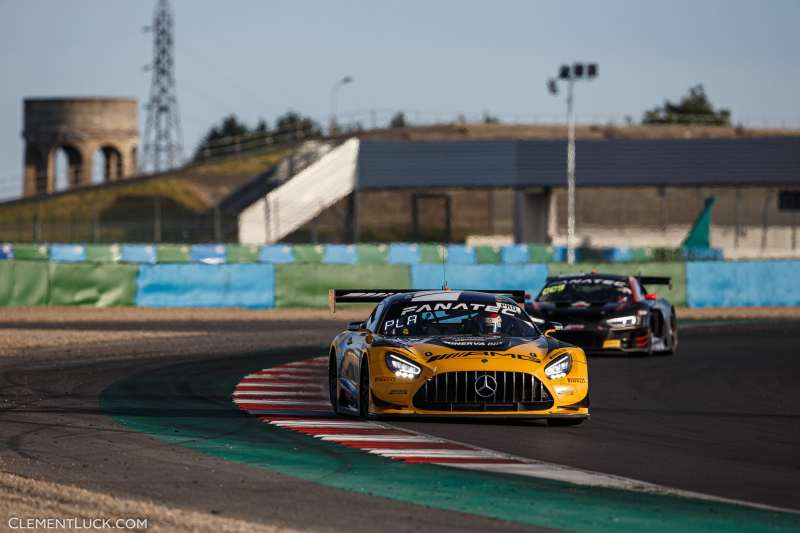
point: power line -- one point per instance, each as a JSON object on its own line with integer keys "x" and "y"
{"x": 163, "y": 141}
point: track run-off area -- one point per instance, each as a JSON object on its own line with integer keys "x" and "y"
{"x": 706, "y": 440}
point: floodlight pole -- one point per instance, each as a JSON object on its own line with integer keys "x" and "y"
{"x": 570, "y": 173}
{"x": 334, "y": 98}
{"x": 570, "y": 74}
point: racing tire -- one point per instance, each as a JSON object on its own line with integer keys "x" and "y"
{"x": 564, "y": 422}
{"x": 333, "y": 377}
{"x": 673, "y": 336}
{"x": 651, "y": 327}
{"x": 364, "y": 389}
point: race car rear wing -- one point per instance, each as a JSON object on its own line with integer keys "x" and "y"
{"x": 655, "y": 280}
{"x": 377, "y": 295}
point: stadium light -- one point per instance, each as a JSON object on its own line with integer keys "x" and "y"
{"x": 334, "y": 96}
{"x": 570, "y": 74}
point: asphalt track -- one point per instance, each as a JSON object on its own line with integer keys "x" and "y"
{"x": 721, "y": 418}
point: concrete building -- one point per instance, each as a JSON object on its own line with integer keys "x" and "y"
{"x": 81, "y": 127}
{"x": 631, "y": 192}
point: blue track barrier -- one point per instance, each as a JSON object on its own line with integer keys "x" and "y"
{"x": 530, "y": 277}
{"x": 340, "y": 254}
{"x": 703, "y": 254}
{"x": 276, "y": 253}
{"x": 515, "y": 254}
{"x": 68, "y": 253}
{"x": 743, "y": 283}
{"x": 403, "y": 254}
{"x": 619, "y": 255}
{"x": 211, "y": 254}
{"x": 194, "y": 285}
{"x": 6, "y": 252}
{"x": 459, "y": 254}
{"x": 138, "y": 253}
{"x": 559, "y": 254}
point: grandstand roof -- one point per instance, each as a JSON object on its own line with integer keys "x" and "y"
{"x": 386, "y": 164}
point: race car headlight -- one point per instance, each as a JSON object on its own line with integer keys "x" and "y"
{"x": 559, "y": 367}
{"x": 623, "y": 321}
{"x": 402, "y": 367}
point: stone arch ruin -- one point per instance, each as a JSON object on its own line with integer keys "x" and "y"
{"x": 80, "y": 127}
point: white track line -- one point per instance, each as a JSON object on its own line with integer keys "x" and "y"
{"x": 310, "y": 413}
{"x": 321, "y": 423}
{"x": 298, "y": 369}
{"x": 381, "y": 438}
{"x": 267, "y": 385}
{"x": 437, "y": 452}
{"x": 279, "y": 393}
{"x": 282, "y": 376}
{"x": 250, "y": 401}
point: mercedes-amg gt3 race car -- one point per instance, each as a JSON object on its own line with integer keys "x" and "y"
{"x": 606, "y": 312}
{"x": 451, "y": 353}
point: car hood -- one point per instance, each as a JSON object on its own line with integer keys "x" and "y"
{"x": 453, "y": 349}
{"x": 558, "y": 312}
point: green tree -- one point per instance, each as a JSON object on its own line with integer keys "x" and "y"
{"x": 398, "y": 120}
{"x": 694, "y": 108}
{"x": 292, "y": 122}
{"x": 488, "y": 118}
{"x": 230, "y": 127}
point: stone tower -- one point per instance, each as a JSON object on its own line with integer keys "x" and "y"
{"x": 81, "y": 127}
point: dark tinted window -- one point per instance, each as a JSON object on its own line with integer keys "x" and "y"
{"x": 431, "y": 318}
{"x": 592, "y": 290}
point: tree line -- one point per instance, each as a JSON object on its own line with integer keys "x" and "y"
{"x": 693, "y": 108}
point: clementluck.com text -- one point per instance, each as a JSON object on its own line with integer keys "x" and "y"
{"x": 22, "y": 523}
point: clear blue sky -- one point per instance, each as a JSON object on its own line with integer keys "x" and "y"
{"x": 258, "y": 58}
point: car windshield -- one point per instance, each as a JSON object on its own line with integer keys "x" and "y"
{"x": 456, "y": 318}
{"x": 591, "y": 290}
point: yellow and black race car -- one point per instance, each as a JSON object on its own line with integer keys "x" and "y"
{"x": 454, "y": 353}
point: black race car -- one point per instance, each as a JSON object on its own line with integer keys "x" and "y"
{"x": 607, "y": 312}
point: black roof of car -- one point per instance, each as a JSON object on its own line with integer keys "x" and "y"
{"x": 582, "y": 275}
{"x": 464, "y": 296}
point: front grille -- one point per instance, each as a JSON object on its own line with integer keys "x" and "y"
{"x": 456, "y": 391}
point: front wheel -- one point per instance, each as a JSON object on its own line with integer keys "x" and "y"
{"x": 333, "y": 378}
{"x": 673, "y": 335}
{"x": 364, "y": 389}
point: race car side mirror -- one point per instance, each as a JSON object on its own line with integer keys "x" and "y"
{"x": 650, "y": 296}
{"x": 355, "y": 326}
{"x": 552, "y": 327}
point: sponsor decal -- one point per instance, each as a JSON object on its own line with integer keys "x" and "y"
{"x": 402, "y": 322}
{"x": 501, "y": 307}
{"x": 612, "y": 343}
{"x": 478, "y": 342}
{"x": 429, "y": 296}
{"x": 576, "y": 380}
{"x": 382, "y": 379}
{"x": 554, "y": 289}
{"x": 461, "y": 355}
{"x": 398, "y": 391}
{"x": 600, "y": 281}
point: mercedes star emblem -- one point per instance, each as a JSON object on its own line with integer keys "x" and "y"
{"x": 485, "y": 386}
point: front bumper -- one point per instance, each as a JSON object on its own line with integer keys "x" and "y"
{"x": 597, "y": 338}
{"x": 518, "y": 395}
